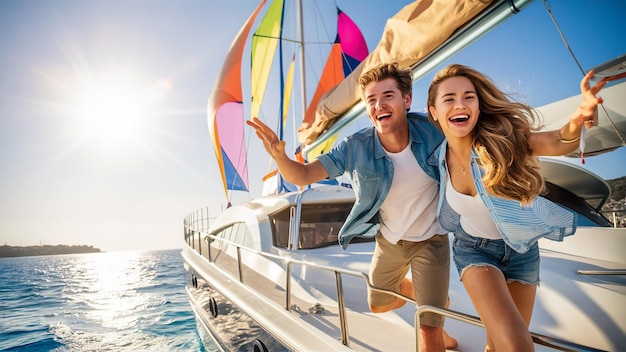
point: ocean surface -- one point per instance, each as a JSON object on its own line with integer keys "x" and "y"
{"x": 113, "y": 301}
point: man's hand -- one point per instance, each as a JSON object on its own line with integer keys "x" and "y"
{"x": 274, "y": 147}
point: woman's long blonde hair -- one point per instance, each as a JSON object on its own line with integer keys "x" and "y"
{"x": 500, "y": 137}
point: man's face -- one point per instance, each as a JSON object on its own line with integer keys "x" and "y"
{"x": 386, "y": 107}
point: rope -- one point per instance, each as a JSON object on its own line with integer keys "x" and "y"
{"x": 548, "y": 7}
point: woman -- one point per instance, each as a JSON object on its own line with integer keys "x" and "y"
{"x": 489, "y": 194}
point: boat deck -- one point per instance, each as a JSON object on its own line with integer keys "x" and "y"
{"x": 300, "y": 315}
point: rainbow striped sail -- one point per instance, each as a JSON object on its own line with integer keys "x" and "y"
{"x": 226, "y": 105}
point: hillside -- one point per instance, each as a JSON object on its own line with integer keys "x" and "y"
{"x": 615, "y": 208}
{"x": 16, "y": 251}
{"x": 618, "y": 188}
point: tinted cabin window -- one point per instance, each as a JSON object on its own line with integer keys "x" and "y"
{"x": 280, "y": 228}
{"x": 587, "y": 215}
{"x": 319, "y": 225}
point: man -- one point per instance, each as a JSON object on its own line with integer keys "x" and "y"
{"x": 394, "y": 175}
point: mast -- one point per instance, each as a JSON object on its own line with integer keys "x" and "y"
{"x": 302, "y": 58}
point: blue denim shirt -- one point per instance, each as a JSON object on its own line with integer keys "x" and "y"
{"x": 370, "y": 171}
{"x": 520, "y": 226}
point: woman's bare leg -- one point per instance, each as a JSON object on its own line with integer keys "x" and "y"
{"x": 507, "y": 329}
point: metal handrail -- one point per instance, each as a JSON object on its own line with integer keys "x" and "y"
{"x": 343, "y": 321}
{"x": 551, "y": 342}
{"x": 602, "y": 272}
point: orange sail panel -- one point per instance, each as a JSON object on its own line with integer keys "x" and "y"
{"x": 264, "y": 42}
{"x": 331, "y": 76}
{"x": 225, "y": 114}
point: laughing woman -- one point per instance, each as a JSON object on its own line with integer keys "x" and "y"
{"x": 490, "y": 194}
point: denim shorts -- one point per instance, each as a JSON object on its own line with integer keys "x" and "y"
{"x": 470, "y": 251}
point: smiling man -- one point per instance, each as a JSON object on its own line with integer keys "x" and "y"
{"x": 394, "y": 175}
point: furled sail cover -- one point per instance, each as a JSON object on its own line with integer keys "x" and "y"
{"x": 346, "y": 54}
{"x": 264, "y": 43}
{"x": 409, "y": 36}
{"x": 225, "y": 114}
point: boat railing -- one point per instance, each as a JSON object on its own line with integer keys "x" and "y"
{"x": 203, "y": 235}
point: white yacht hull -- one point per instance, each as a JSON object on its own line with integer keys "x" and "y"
{"x": 251, "y": 309}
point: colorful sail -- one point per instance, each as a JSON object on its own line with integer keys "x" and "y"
{"x": 264, "y": 44}
{"x": 225, "y": 114}
{"x": 346, "y": 54}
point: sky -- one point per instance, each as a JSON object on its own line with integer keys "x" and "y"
{"x": 103, "y": 128}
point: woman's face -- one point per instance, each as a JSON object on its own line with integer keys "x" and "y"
{"x": 456, "y": 107}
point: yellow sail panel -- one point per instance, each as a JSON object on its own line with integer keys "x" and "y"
{"x": 288, "y": 89}
{"x": 321, "y": 148}
{"x": 264, "y": 44}
{"x": 224, "y": 111}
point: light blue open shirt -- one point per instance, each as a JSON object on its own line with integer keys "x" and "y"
{"x": 520, "y": 226}
{"x": 362, "y": 157}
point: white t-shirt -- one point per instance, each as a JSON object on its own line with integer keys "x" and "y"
{"x": 410, "y": 210}
{"x": 475, "y": 218}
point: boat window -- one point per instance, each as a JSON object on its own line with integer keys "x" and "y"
{"x": 319, "y": 226}
{"x": 280, "y": 228}
{"x": 237, "y": 233}
{"x": 587, "y": 215}
{"x": 583, "y": 221}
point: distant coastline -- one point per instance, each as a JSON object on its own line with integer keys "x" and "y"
{"x": 16, "y": 251}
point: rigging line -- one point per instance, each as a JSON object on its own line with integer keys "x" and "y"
{"x": 546, "y": 4}
{"x": 548, "y": 7}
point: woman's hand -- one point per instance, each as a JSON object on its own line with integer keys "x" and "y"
{"x": 587, "y": 112}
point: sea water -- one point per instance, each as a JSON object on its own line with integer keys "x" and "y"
{"x": 113, "y": 301}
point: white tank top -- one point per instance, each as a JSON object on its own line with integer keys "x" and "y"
{"x": 410, "y": 210}
{"x": 475, "y": 218}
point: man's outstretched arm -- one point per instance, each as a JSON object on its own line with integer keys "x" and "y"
{"x": 292, "y": 171}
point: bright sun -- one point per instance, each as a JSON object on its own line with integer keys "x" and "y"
{"x": 112, "y": 113}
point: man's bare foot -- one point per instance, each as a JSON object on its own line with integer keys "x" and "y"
{"x": 449, "y": 341}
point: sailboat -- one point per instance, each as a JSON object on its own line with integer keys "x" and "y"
{"x": 268, "y": 274}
